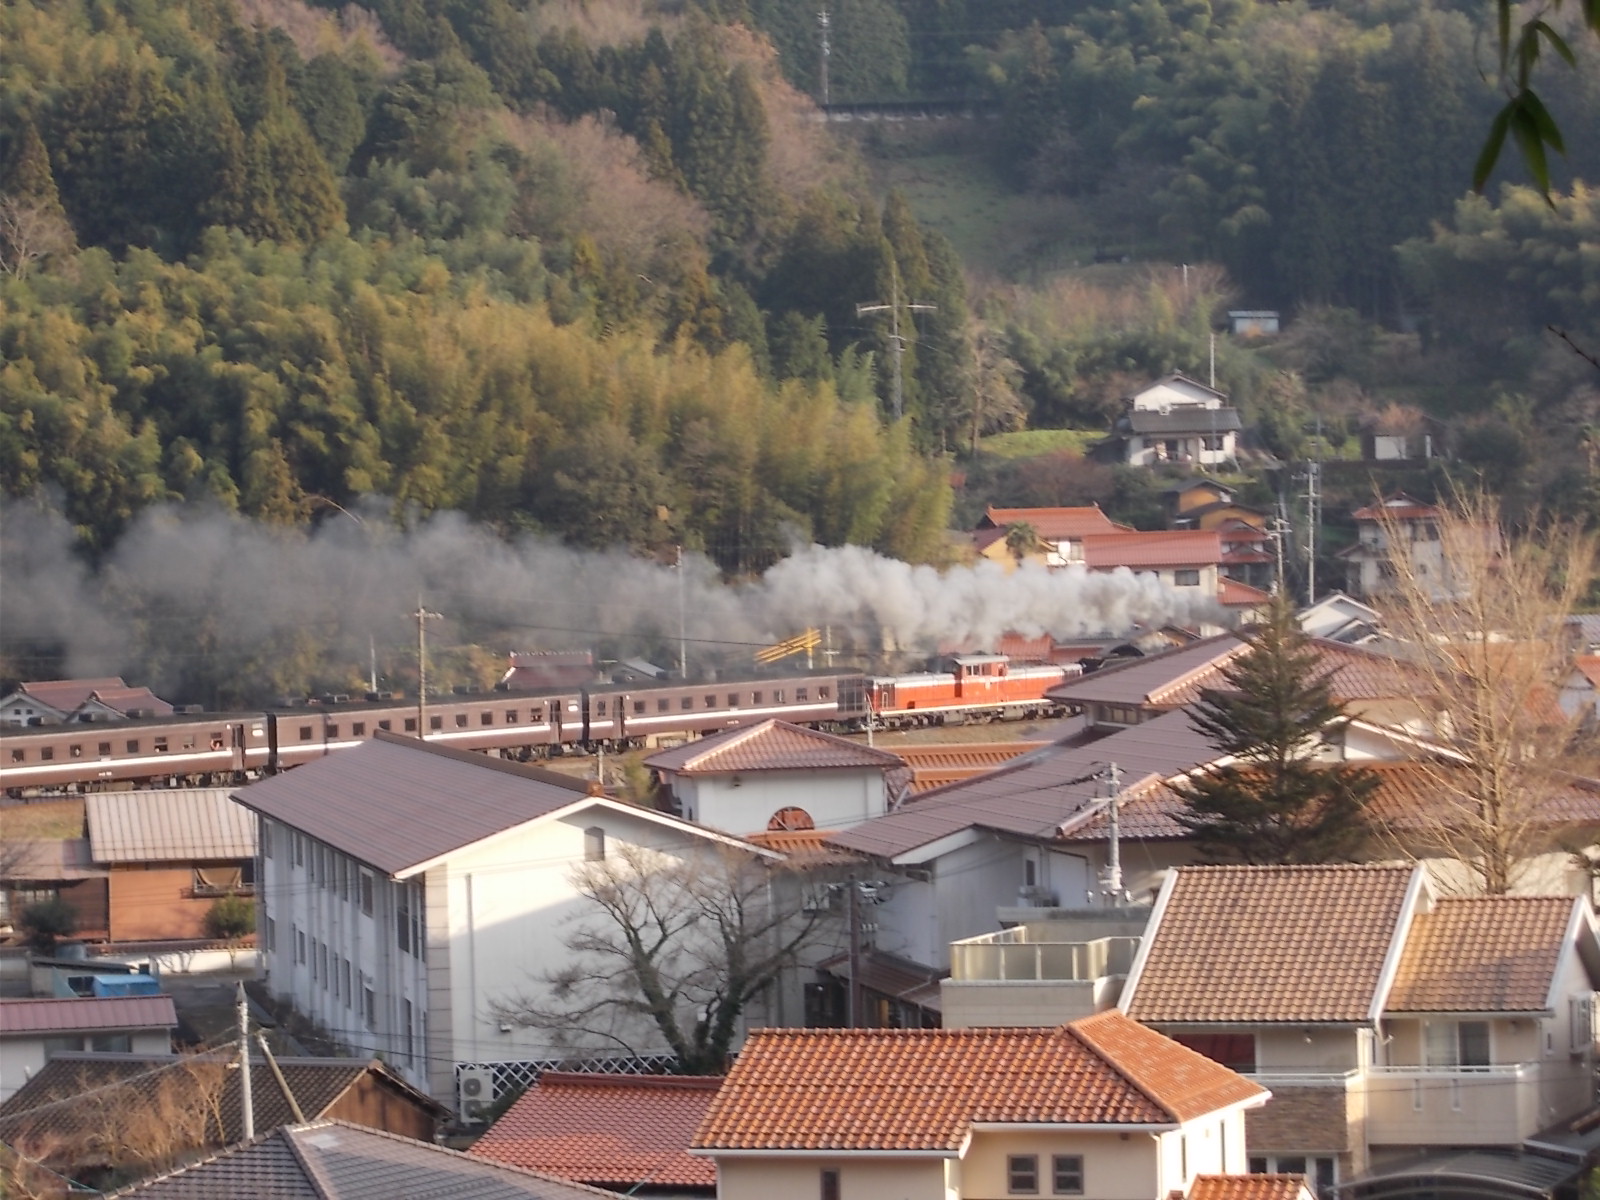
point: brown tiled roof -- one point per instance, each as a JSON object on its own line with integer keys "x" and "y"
{"x": 177, "y": 825}
{"x": 85, "y": 1013}
{"x": 619, "y": 1130}
{"x": 770, "y": 745}
{"x": 799, "y": 842}
{"x": 1269, "y": 943}
{"x": 1399, "y": 507}
{"x": 1588, "y": 665}
{"x": 1415, "y": 795}
{"x": 335, "y": 1160}
{"x": 890, "y": 975}
{"x": 1156, "y": 548}
{"x": 1147, "y": 813}
{"x": 65, "y": 695}
{"x": 43, "y": 1111}
{"x": 1248, "y": 1187}
{"x": 923, "y": 1089}
{"x": 1233, "y": 594}
{"x": 1483, "y": 954}
{"x": 934, "y": 766}
{"x": 383, "y": 801}
{"x": 1054, "y": 524}
{"x": 1034, "y": 795}
{"x": 126, "y": 699}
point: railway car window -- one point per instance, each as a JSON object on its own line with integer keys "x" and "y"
{"x": 777, "y": 696}
{"x": 686, "y": 703}
{"x": 133, "y": 745}
{"x": 435, "y": 722}
{"x": 411, "y": 724}
{"x": 600, "y": 708}
{"x": 461, "y": 720}
{"x": 663, "y": 705}
{"x": 47, "y": 753}
{"x": 188, "y": 743}
{"x": 511, "y": 716}
{"x": 755, "y": 697}
{"x": 711, "y": 701}
{"x": 333, "y": 731}
{"x": 733, "y": 699}
{"x": 800, "y": 695}
{"x": 486, "y": 718}
{"x": 161, "y": 745}
{"x": 638, "y": 706}
{"x": 358, "y": 729}
{"x": 17, "y": 755}
{"x": 305, "y": 733}
{"x": 822, "y": 693}
{"x": 383, "y": 724}
{"x": 105, "y": 748}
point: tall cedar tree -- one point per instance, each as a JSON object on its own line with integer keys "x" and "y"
{"x": 1273, "y": 803}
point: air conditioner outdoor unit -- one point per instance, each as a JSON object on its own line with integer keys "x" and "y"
{"x": 476, "y": 1091}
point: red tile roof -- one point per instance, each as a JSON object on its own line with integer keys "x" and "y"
{"x": 1158, "y": 548}
{"x": 1054, "y": 524}
{"x": 924, "y": 1089}
{"x": 1248, "y": 1187}
{"x": 770, "y": 745}
{"x": 610, "y": 1130}
{"x": 1249, "y": 944}
{"x": 1588, "y": 665}
{"x": 65, "y": 695}
{"x": 98, "y": 1012}
{"x": 1482, "y": 954}
{"x": 1233, "y": 594}
{"x": 1399, "y": 507}
{"x": 800, "y": 843}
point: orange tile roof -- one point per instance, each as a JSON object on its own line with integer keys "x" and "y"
{"x": 1270, "y": 943}
{"x": 1248, "y": 1187}
{"x": 770, "y": 745}
{"x": 1399, "y": 507}
{"x": 923, "y": 1089}
{"x": 1233, "y": 594}
{"x": 613, "y": 1130}
{"x": 1588, "y": 665}
{"x": 1482, "y": 954}
{"x": 1157, "y": 548}
{"x": 798, "y": 842}
{"x": 1054, "y": 524}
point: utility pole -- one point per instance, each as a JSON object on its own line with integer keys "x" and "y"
{"x": 247, "y": 1112}
{"x": 897, "y": 343}
{"x": 1111, "y": 880}
{"x": 423, "y": 616}
{"x": 683, "y": 641}
{"x": 1313, "y": 500}
{"x": 853, "y": 996}
{"x": 827, "y": 52}
{"x": 1280, "y": 532}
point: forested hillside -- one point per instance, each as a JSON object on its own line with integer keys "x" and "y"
{"x": 595, "y": 268}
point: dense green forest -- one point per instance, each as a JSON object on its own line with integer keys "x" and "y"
{"x": 594, "y": 268}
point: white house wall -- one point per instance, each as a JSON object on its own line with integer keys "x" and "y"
{"x": 745, "y": 803}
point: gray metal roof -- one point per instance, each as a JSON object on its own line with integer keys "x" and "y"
{"x": 1185, "y": 419}
{"x": 53, "y": 1015}
{"x": 394, "y": 802}
{"x": 335, "y": 1160}
{"x": 169, "y": 825}
{"x": 1137, "y": 680}
{"x": 1034, "y": 795}
{"x": 1487, "y": 1173}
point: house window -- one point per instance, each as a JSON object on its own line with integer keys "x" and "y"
{"x": 112, "y": 1043}
{"x": 1236, "y": 1051}
{"x": 322, "y": 956}
{"x": 272, "y": 936}
{"x": 366, "y": 893}
{"x": 1066, "y": 1174}
{"x": 300, "y": 946}
{"x": 405, "y": 1018}
{"x": 344, "y": 964}
{"x": 829, "y": 1189}
{"x": 1022, "y": 1174}
{"x": 594, "y": 844}
{"x": 1461, "y": 1044}
{"x": 299, "y": 849}
{"x": 402, "y": 922}
{"x": 1186, "y": 577}
{"x": 1321, "y": 1169}
{"x": 370, "y": 1003}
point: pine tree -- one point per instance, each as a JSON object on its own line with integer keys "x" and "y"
{"x": 1272, "y": 803}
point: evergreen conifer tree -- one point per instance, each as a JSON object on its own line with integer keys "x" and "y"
{"x": 1273, "y": 803}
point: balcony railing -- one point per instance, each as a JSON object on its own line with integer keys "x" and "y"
{"x": 1028, "y": 954}
{"x": 1488, "y": 1105}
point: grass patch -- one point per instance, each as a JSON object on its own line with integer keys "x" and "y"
{"x": 42, "y": 820}
{"x": 1028, "y": 443}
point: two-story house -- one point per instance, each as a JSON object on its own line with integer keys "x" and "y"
{"x": 1392, "y": 1025}
{"x": 1058, "y": 533}
{"x": 1102, "y": 1107}
{"x": 1177, "y": 420}
{"x": 405, "y": 887}
{"x": 1368, "y": 570}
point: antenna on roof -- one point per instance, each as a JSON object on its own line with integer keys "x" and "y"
{"x": 1111, "y": 878}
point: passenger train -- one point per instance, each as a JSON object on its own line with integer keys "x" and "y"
{"x": 214, "y": 748}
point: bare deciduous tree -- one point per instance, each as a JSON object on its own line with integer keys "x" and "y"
{"x": 30, "y": 232}
{"x": 1482, "y": 609}
{"x": 673, "y": 951}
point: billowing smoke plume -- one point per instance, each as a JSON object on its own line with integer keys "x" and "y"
{"x": 184, "y": 587}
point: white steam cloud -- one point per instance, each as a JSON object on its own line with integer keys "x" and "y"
{"x": 183, "y": 583}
